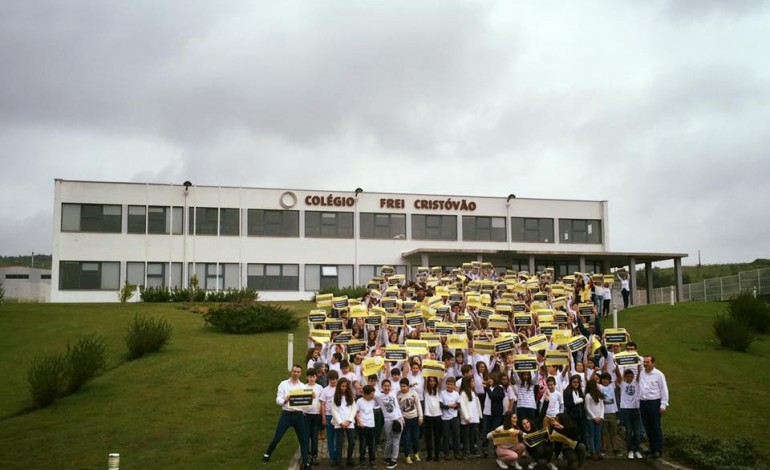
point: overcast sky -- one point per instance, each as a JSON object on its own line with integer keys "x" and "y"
{"x": 660, "y": 107}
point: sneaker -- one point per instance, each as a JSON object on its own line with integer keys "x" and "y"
{"x": 416, "y": 457}
{"x": 501, "y": 464}
{"x": 307, "y": 466}
{"x": 638, "y": 455}
{"x": 266, "y": 458}
{"x": 532, "y": 465}
{"x": 552, "y": 466}
{"x": 630, "y": 454}
{"x": 408, "y": 460}
{"x": 392, "y": 464}
{"x": 517, "y": 466}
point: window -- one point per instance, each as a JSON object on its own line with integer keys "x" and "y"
{"x": 484, "y": 228}
{"x": 531, "y": 230}
{"x": 100, "y": 218}
{"x": 318, "y": 276}
{"x": 89, "y": 275}
{"x": 273, "y": 276}
{"x": 383, "y": 226}
{"x": 230, "y": 222}
{"x": 329, "y": 224}
{"x": 135, "y": 273}
{"x": 434, "y": 227}
{"x": 45, "y": 276}
{"x": 367, "y": 271}
{"x": 273, "y": 223}
{"x": 580, "y": 231}
{"x": 203, "y": 221}
{"x": 137, "y": 219}
{"x": 17, "y": 276}
{"x": 213, "y": 276}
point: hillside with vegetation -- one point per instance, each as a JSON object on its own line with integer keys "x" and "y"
{"x": 664, "y": 277}
{"x": 41, "y": 261}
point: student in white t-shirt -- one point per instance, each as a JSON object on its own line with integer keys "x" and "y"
{"x": 313, "y": 415}
{"x": 391, "y": 412}
{"x": 630, "y": 391}
{"x": 610, "y": 423}
{"x": 326, "y": 400}
{"x": 450, "y": 422}
{"x": 365, "y": 422}
{"x": 470, "y": 416}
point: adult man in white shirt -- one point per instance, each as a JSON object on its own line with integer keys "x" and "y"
{"x": 290, "y": 417}
{"x": 653, "y": 401}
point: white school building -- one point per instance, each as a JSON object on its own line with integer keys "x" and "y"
{"x": 289, "y": 243}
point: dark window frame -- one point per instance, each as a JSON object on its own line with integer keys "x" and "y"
{"x": 265, "y": 223}
{"x": 433, "y": 228}
{"x": 381, "y": 223}
{"x": 326, "y": 228}
{"x": 483, "y": 225}
{"x": 280, "y": 282}
{"x": 532, "y": 230}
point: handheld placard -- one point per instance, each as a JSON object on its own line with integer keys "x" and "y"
{"x": 373, "y": 320}
{"x": 301, "y": 398}
{"x": 321, "y": 336}
{"x": 343, "y": 337}
{"x": 615, "y": 336}
{"x": 499, "y": 322}
{"x": 484, "y": 347}
{"x": 577, "y": 343}
{"x": 628, "y": 359}
{"x": 356, "y": 346}
{"x": 416, "y": 347}
{"x": 414, "y": 319}
{"x": 555, "y": 357}
{"x": 340, "y": 303}
{"x": 444, "y": 329}
{"x": 395, "y": 353}
{"x": 457, "y": 341}
{"x": 431, "y": 339}
{"x": 561, "y": 337}
{"x": 432, "y": 368}
{"x": 372, "y": 365}
{"x": 522, "y": 319}
{"x": 333, "y": 324}
{"x": 504, "y": 345}
{"x": 524, "y": 363}
{"x": 538, "y": 342}
{"x": 324, "y": 300}
{"x": 316, "y": 316}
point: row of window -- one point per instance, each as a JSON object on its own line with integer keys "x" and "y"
{"x": 285, "y": 223}
{"x": 105, "y": 275}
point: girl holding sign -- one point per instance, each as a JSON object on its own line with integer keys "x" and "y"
{"x": 508, "y": 453}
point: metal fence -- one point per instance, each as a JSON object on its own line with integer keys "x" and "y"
{"x": 719, "y": 288}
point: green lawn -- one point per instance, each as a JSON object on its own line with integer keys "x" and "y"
{"x": 207, "y": 401}
{"x": 714, "y": 391}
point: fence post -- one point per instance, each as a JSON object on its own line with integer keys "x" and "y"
{"x": 759, "y": 283}
{"x": 721, "y": 288}
{"x": 705, "y": 297}
{"x": 290, "y": 355}
{"x": 672, "y": 296}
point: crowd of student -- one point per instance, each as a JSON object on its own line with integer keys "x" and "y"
{"x": 478, "y": 403}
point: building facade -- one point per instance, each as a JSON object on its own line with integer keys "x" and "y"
{"x": 25, "y": 284}
{"x": 289, "y": 243}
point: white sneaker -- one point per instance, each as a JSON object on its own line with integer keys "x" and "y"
{"x": 638, "y": 455}
{"x": 517, "y": 466}
{"x": 552, "y": 466}
{"x": 630, "y": 454}
{"x": 532, "y": 465}
{"x": 501, "y": 464}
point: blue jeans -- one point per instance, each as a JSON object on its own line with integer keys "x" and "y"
{"x": 650, "y": 411}
{"x": 594, "y": 436}
{"x": 291, "y": 419}
{"x": 331, "y": 439}
{"x": 633, "y": 422}
{"x": 410, "y": 436}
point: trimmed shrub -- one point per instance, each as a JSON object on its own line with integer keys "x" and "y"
{"x": 750, "y": 310}
{"x": 156, "y": 295}
{"x": 47, "y": 379}
{"x": 709, "y": 453}
{"x": 733, "y": 332}
{"x": 250, "y": 317}
{"x": 86, "y": 360}
{"x": 146, "y": 335}
{"x": 126, "y": 292}
{"x": 353, "y": 292}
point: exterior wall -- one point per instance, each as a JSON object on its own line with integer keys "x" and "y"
{"x": 32, "y": 289}
{"x": 244, "y": 249}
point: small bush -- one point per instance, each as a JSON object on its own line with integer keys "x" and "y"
{"x": 146, "y": 335}
{"x": 733, "y": 333}
{"x": 353, "y": 292}
{"x": 194, "y": 294}
{"x": 126, "y": 292}
{"x": 250, "y": 318}
{"x": 47, "y": 379}
{"x": 85, "y": 361}
{"x": 751, "y": 310}
{"x": 709, "y": 453}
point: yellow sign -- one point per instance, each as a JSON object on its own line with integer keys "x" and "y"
{"x": 524, "y": 363}
{"x": 372, "y": 365}
{"x": 537, "y": 342}
{"x": 301, "y": 398}
{"x": 504, "y": 437}
{"x": 457, "y": 341}
{"x": 555, "y": 357}
{"x": 483, "y": 347}
{"x": 416, "y": 347}
{"x": 560, "y": 337}
{"x": 498, "y": 321}
{"x": 431, "y": 339}
{"x": 321, "y": 336}
{"x": 432, "y": 368}
{"x": 615, "y": 336}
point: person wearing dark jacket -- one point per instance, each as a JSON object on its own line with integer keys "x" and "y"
{"x": 574, "y": 406}
{"x": 576, "y": 457}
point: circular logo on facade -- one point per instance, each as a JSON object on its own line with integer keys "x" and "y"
{"x": 288, "y": 200}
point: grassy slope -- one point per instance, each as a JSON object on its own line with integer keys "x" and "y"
{"x": 714, "y": 391}
{"x": 205, "y": 402}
